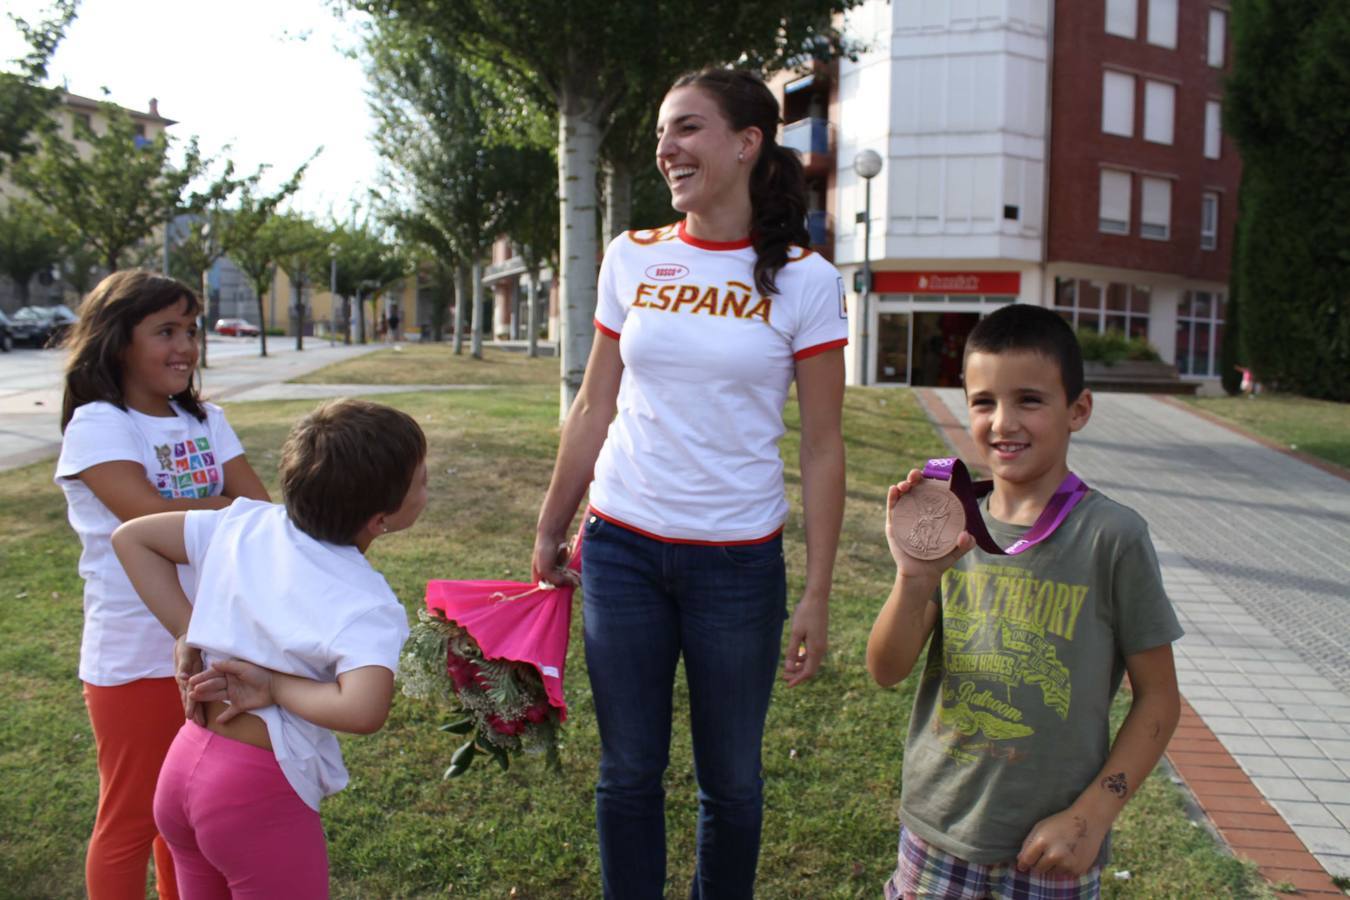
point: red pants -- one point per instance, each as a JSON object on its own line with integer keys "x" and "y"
{"x": 134, "y": 724}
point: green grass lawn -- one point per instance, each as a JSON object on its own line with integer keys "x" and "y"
{"x": 436, "y": 364}
{"x": 1319, "y": 428}
{"x": 832, "y": 755}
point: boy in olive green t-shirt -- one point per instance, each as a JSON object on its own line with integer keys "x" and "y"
{"x": 1011, "y": 782}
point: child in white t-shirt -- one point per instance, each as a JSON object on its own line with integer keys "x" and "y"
{"x": 294, "y": 625}
{"x": 137, "y": 440}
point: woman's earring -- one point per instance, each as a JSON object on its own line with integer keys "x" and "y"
{"x": 740, "y": 157}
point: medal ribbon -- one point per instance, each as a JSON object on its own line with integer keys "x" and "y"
{"x": 952, "y": 470}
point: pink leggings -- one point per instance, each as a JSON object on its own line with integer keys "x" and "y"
{"x": 234, "y": 824}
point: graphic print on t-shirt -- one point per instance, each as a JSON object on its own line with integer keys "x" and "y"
{"x": 187, "y": 468}
{"x": 1000, "y": 629}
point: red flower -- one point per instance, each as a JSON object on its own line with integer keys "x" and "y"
{"x": 537, "y": 713}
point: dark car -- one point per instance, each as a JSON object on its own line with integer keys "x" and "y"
{"x": 45, "y": 326}
{"x": 6, "y": 333}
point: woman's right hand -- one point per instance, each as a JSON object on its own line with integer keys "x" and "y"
{"x": 907, "y": 566}
{"x": 549, "y": 563}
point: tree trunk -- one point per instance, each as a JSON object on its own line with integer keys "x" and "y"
{"x": 298, "y": 311}
{"x": 461, "y": 298}
{"x": 476, "y": 305}
{"x": 578, "y": 146}
{"x": 532, "y": 313}
{"x": 262, "y": 326}
{"x": 618, "y": 199}
{"x": 360, "y": 317}
{"x": 206, "y": 315}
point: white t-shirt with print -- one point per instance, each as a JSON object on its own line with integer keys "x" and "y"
{"x": 693, "y": 453}
{"x": 182, "y": 457}
{"x": 272, "y": 595}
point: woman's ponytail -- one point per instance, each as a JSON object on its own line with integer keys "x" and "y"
{"x": 778, "y": 217}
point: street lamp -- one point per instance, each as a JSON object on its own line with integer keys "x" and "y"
{"x": 868, "y": 165}
{"x": 332, "y": 293}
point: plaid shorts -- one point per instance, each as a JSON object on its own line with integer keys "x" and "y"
{"x": 932, "y": 874}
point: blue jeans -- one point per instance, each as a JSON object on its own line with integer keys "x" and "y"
{"x": 646, "y": 602}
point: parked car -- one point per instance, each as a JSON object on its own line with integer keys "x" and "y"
{"x": 236, "y": 328}
{"x": 6, "y": 333}
{"x": 44, "y": 326}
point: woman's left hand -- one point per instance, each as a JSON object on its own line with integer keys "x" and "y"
{"x": 809, "y": 640}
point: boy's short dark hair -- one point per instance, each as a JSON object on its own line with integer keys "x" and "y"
{"x": 1020, "y": 326}
{"x": 346, "y": 461}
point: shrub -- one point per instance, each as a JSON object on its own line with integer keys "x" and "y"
{"x": 1111, "y": 346}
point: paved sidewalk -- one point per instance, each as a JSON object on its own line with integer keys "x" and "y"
{"x": 30, "y": 399}
{"x": 1255, "y": 552}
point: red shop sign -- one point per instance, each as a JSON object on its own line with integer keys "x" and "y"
{"x": 947, "y": 282}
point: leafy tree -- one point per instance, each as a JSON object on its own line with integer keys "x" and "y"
{"x": 117, "y": 190}
{"x": 276, "y": 238}
{"x": 302, "y": 251}
{"x": 582, "y": 58}
{"x": 1289, "y": 108}
{"x": 25, "y": 105}
{"x": 30, "y": 242}
{"x": 454, "y": 182}
{"x": 216, "y": 228}
{"x": 367, "y": 261}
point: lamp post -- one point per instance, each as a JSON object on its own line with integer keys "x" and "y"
{"x": 332, "y": 293}
{"x": 868, "y": 165}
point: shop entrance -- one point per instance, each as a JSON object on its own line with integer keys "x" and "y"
{"x": 939, "y": 341}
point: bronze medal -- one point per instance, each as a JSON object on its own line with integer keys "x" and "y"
{"x": 927, "y": 520}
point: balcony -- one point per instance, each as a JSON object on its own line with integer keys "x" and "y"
{"x": 819, "y": 226}
{"x": 811, "y": 139}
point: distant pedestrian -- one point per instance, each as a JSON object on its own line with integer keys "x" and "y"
{"x": 382, "y": 326}
{"x": 1011, "y": 778}
{"x": 394, "y": 322}
{"x": 137, "y": 440}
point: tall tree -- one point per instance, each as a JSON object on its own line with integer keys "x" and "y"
{"x": 450, "y": 172}
{"x": 303, "y": 255}
{"x": 30, "y": 242}
{"x": 277, "y": 238}
{"x": 582, "y": 57}
{"x": 25, "y": 105}
{"x": 117, "y": 189}
{"x": 1288, "y": 106}
{"x": 368, "y": 261}
{"x": 223, "y": 216}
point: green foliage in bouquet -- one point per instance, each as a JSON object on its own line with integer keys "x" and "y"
{"x": 506, "y": 708}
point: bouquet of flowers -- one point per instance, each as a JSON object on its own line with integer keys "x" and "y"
{"x": 497, "y": 650}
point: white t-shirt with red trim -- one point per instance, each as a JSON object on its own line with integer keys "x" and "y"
{"x": 693, "y": 453}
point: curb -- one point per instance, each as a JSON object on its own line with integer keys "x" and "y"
{"x": 1327, "y": 466}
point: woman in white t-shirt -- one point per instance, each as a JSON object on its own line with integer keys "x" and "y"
{"x": 701, "y": 329}
{"x": 136, "y": 440}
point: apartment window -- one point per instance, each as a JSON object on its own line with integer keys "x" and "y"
{"x": 81, "y": 120}
{"x": 1162, "y": 23}
{"x": 1102, "y": 306}
{"x": 1209, "y": 221}
{"x": 1114, "y": 210}
{"x": 139, "y": 129}
{"x": 1155, "y": 208}
{"x": 1218, "y": 37}
{"x": 1159, "y": 111}
{"x": 1213, "y": 132}
{"x": 1122, "y": 17}
{"x": 1118, "y": 103}
{"x": 1200, "y": 317}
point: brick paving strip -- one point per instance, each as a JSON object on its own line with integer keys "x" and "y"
{"x": 1283, "y": 752}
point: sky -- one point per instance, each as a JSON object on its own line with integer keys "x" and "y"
{"x": 273, "y": 80}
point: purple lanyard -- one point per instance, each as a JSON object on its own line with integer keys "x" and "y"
{"x": 952, "y": 470}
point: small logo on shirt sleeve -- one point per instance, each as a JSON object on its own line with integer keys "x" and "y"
{"x": 843, "y": 298}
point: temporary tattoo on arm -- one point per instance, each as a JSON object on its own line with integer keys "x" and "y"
{"x": 1116, "y": 784}
{"x": 1080, "y": 826}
